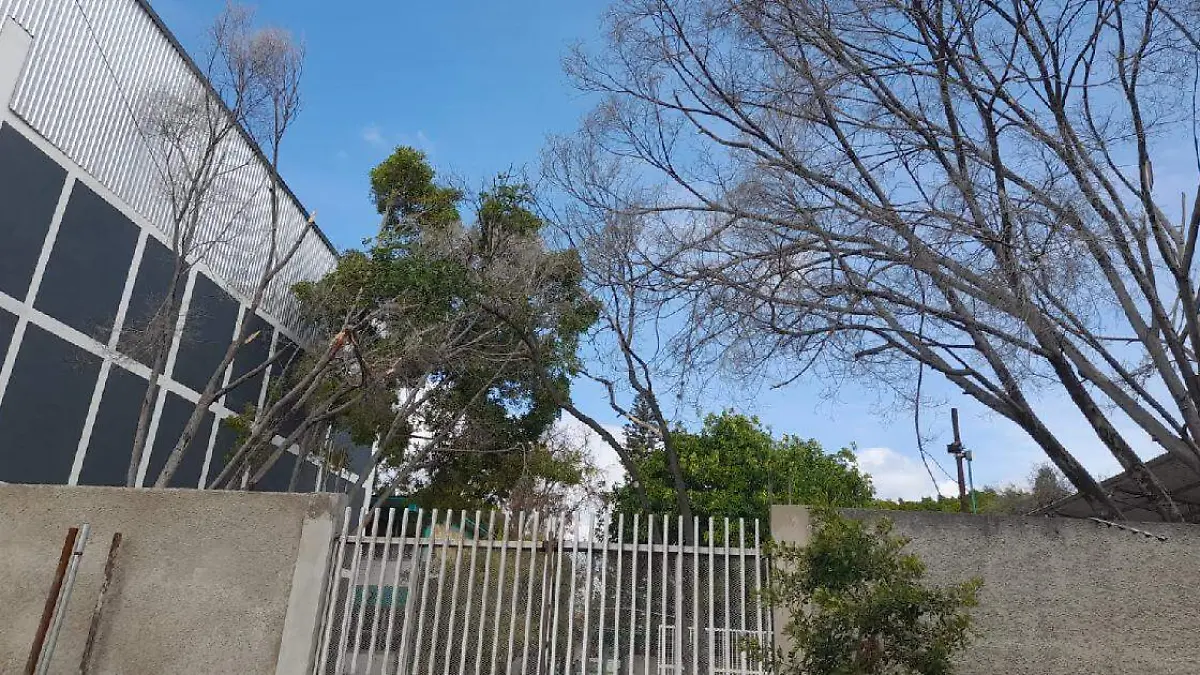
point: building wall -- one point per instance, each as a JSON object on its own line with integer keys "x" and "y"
{"x": 1060, "y": 596}
{"x": 205, "y": 582}
{"x": 85, "y": 259}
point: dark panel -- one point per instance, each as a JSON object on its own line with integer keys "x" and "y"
{"x": 357, "y": 457}
{"x": 43, "y": 411}
{"x": 8, "y": 324}
{"x": 356, "y": 499}
{"x": 308, "y": 477}
{"x": 108, "y": 452}
{"x": 281, "y": 372}
{"x": 87, "y": 269}
{"x": 149, "y": 291}
{"x": 328, "y": 482}
{"x": 30, "y": 184}
{"x": 223, "y": 450}
{"x": 206, "y": 334}
{"x": 278, "y": 476}
{"x": 251, "y": 355}
{"x": 170, "y": 425}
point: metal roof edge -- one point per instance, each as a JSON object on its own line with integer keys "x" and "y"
{"x": 1152, "y": 463}
{"x": 191, "y": 64}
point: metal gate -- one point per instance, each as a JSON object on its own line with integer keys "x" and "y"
{"x": 455, "y": 593}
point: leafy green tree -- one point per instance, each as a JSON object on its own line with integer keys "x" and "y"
{"x": 857, "y": 604}
{"x": 640, "y": 441}
{"x": 734, "y": 468}
{"x": 446, "y": 334}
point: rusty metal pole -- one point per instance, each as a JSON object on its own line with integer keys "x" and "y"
{"x": 956, "y": 449}
{"x": 39, "y": 639}
{"x": 64, "y": 600}
{"x": 85, "y": 662}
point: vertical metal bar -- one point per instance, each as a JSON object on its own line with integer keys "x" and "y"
{"x": 85, "y": 661}
{"x": 516, "y": 587}
{"x": 441, "y": 581}
{"x": 487, "y": 577}
{"x": 434, "y": 630}
{"x": 603, "y": 603}
{"x": 499, "y": 596}
{"x": 648, "y": 624}
{"x": 64, "y": 599}
{"x": 728, "y": 642}
{"x": 694, "y": 553}
{"x": 587, "y": 597}
{"x": 383, "y": 560}
{"x": 347, "y": 604}
{"x": 616, "y": 623}
{"x": 743, "y": 582}
{"x": 533, "y": 551}
{"x": 391, "y": 619}
{"x": 548, "y": 606}
{"x": 60, "y": 572}
{"x": 571, "y": 600}
{"x": 424, "y": 591}
{"x": 410, "y": 598}
{"x": 331, "y": 598}
{"x": 633, "y": 594}
{"x": 712, "y": 626}
{"x": 758, "y": 595}
{"x": 366, "y": 588}
{"x": 562, "y": 535}
{"x": 677, "y": 631}
{"x": 462, "y": 650}
{"x": 677, "y": 634}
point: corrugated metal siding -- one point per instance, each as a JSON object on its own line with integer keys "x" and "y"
{"x": 94, "y": 62}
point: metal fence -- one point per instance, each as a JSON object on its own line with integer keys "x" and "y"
{"x": 456, "y": 593}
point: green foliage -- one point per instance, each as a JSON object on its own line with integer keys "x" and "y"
{"x": 640, "y": 441}
{"x": 405, "y": 194}
{"x": 857, "y": 604}
{"x": 734, "y": 468}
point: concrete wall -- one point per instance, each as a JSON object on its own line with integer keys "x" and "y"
{"x": 206, "y": 582}
{"x": 1060, "y": 596}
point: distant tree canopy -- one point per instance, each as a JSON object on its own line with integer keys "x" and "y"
{"x": 1044, "y": 487}
{"x": 734, "y": 468}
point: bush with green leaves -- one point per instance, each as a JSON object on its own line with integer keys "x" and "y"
{"x": 857, "y": 604}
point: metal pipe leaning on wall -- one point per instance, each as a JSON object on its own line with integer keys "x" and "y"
{"x": 56, "y": 601}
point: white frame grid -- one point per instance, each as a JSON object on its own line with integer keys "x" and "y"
{"x": 18, "y": 66}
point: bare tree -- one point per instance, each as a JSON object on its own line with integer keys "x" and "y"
{"x": 965, "y": 185}
{"x": 270, "y": 63}
{"x": 192, "y": 135}
{"x": 632, "y": 311}
{"x": 555, "y": 496}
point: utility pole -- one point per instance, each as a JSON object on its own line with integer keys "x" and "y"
{"x": 956, "y": 449}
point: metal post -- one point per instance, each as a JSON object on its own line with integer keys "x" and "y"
{"x": 85, "y": 661}
{"x": 60, "y": 610}
{"x": 956, "y": 449}
{"x": 39, "y": 640}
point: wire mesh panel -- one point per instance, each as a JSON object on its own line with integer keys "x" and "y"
{"x": 456, "y": 593}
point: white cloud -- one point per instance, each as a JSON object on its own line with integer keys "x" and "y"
{"x": 379, "y": 139}
{"x": 372, "y": 135}
{"x": 602, "y": 453}
{"x": 898, "y": 476}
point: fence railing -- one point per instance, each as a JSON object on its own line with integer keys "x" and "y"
{"x": 456, "y": 593}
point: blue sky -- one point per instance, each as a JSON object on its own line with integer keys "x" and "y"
{"x": 479, "y": 87}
